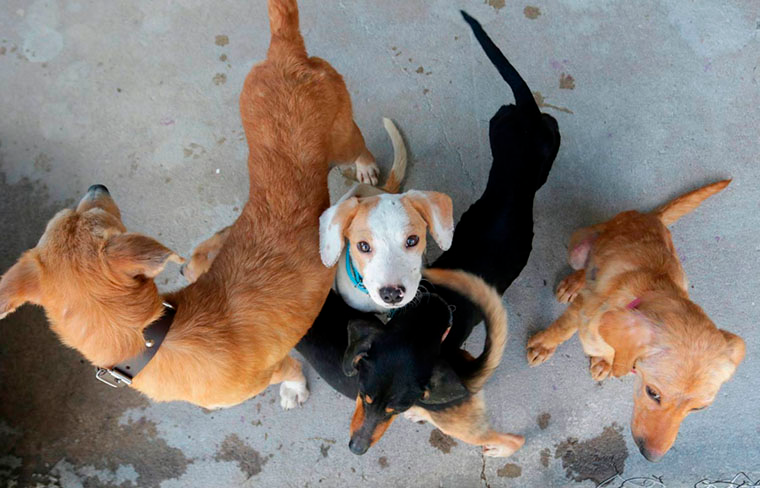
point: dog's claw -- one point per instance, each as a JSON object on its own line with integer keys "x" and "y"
{"x": 600, "y": 369}
{"x": 368, "y": 173}
{"x": 538, "y": 352}
{"x": 569, "y": 288}
{"x": 293, "y": 394}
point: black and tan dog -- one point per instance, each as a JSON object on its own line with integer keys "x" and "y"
{"x": 404, "y": 366}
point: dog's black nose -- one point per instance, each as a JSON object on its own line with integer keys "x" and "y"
{"x": 392, "y": 294}
{"x": 357, "y": 446}
{"x": 98, "y": 188}
{"x": 648, "y": 454}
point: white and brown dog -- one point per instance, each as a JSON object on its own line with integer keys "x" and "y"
{"x": 377, "y": 237}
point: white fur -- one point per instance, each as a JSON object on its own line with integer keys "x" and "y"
{"x": 293, "y": 393}
{"x": 331, "y": 232}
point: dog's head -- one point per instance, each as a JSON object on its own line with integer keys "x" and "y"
{"x": 399, "y": 365}
{"x": 387, "y": 235}
{"x": 680, "y": 359}
{"x": 86, "y": 267}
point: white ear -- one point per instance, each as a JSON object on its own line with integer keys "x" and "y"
{"x": 438, "y": 211}
{"x": 332, "y": 226}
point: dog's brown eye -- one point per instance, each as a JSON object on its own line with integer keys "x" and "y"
{"x": 653, "y": 395}
{"x": 412, "y": 241}
{"x": 363, "y": 246}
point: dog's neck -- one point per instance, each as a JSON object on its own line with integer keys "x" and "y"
{"x": 105, "y": 334}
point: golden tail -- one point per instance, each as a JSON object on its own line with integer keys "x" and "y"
{"x": 283, "y": 24}
{"x": 675, "y": 209}
{"x": 398, "y": 170}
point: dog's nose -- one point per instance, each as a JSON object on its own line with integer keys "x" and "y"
{"x": 392, "y": 294}
{"x": 98, "y": 189}
{"x": 357, "y": 446}
{"x": 649, "y": 454}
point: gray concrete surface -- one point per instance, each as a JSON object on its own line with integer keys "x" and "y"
{"x": 655, "y": 98}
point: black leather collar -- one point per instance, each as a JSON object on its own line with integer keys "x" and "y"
{"x": 154, "y": 334}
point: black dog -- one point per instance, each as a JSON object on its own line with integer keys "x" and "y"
{"x": 403, "y": 365}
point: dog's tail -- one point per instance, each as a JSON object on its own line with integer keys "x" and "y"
{"x": 283, "y": 24}
{"x": 675, "y": 209}
{"x": 494, "y": 313}
{"x": 523, "y": 96}
{"x": 398, "y": 170}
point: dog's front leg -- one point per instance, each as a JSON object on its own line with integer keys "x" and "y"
{"x": 543, "y": 344}
{"x": 293, "y": 390}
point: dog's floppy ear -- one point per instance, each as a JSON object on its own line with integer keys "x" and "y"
{"x": 138, "y": 255}
{"x": 631, "y": 334}
{"x": 20, "y": 284}
{"x": 332, "y": 227}
{"x": 361, "y": 333}
{"x": 437, "y": 210}
{"x": 445, "y": 386}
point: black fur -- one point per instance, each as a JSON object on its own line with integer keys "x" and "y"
{"x": 403, "y": 363}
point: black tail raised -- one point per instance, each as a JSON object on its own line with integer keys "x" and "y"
{"x": 523, "y": 96}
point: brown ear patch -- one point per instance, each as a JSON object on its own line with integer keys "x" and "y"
{"x": 437, "y": 210}
{"x": 136, "y": 255}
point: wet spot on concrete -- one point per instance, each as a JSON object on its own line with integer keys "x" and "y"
{"x": 441, "y": 441}
{"x": 383, "y": 462}
{"x": 221, "y": 40}
{"x": 543, "y": 420}
{"x": 220, "y": 79}
{"x": 531, "y": 12}
{"x": 596, "y": 459}
{"x": 566, "y": 82}
{"x": 541, "y": 102}
{"x": 43, "y": 163}
{"x": 223, "y": 57}
{"x": 497, "y": 4}
{"x": 425, "y": 91}
{"x": 248, "y": 459}
{"x": 509, "y": 470}
{"x": 324, "y": 448}
{"x": 546, "y": 455}
{"x": 420, "y": 70}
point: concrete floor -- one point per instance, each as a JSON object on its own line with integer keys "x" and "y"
{"x": 653, "y": 98}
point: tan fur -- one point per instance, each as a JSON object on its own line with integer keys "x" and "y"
{"x": 494, "y": 313}
{"x": 675, "y": 348}
{"x": 235, "y": 325}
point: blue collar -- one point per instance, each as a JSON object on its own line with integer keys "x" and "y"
{"x": 353, "y": 273}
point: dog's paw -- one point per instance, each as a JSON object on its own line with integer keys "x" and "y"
{"x": 367, "y": 173}
{"x": 293, "y": 394}
{"x": 537, "y": 351}
{"x": 510, "y": 445}
{"x": 569, "y": 288}
{"x": 600, "y": 369}
{"x": 414, "y": 416}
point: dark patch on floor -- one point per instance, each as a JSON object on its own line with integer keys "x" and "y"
{"x": 383, "y": 462}
{"x": 509, "y": 470}
{"x": 546, "y": 455}
{"x": 248, "y": 459}
{"x": 497, "y": 4}
{"x": 441, "y": 441}
{"x": 324, "y": 448}
{"x": 221, "y": 40}
{"x": 543, "y": 420}
{"x": 531, "y": 12}
{"x": 596, "y": 459}
{"x": 566, "y": 82}
{"x": 51, "y": 403}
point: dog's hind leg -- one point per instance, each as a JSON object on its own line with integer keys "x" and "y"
{"x": 468, "y": 422}
{"x": 293, "y": 390}
{"x": 348, "y": 146}
{"x": 543, "y": 344}
{"x": 569, "y": 288}
{"x": 204, "y": 255}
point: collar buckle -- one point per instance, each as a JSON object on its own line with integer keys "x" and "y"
{"x": 112, "y": 377}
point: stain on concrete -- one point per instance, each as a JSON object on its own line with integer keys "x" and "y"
{"x": 546, "y": 455}
{"x": 223, "y": 57}
{"x": 497, "y": 4}
{"x": 541, "y": 102}
{"x": 509, "y": 470}
{"x": 219, "y": 79}
{"x": 596, "y": 459}
{"x": 543, "y": 420}
{"x": 3, "y": 51}
{"x": 43, "y": 163}
{"x": 383, "y": 462}
{"x": 441, "y": 441}
{"x": 531, "y": 12}
{"x": 221, "y": 40}
{"x": 248, "y": 459}
{"x": 420, "y": 70}
{"x": 195, "y": 151}
{"x": 566, "y": 82}
{"x": 324, "y": 448}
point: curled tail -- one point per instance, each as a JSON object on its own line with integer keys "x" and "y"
{"x": 283, "y": 24}
{"x": 398, "y": 170}
{"x": 523, "y": 96}
{"x": 494, "y": 313}
{"x": 675, "y": 209}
